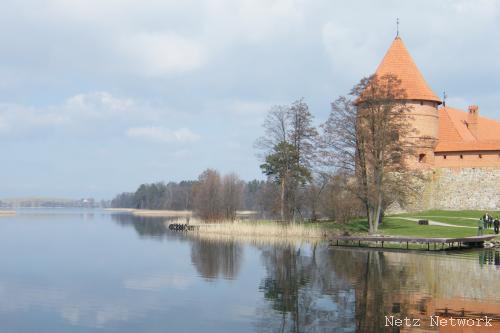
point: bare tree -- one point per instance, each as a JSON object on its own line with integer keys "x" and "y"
{"x": 314, "y": 192}
{"x": 275, "y": 150}
{"x": 287, "y": 148}
{"x": 232, "y": 193}
{"x": 368, "y": 137}
{"x": 302, "y": 133}
{"x": 208, "y": 196}
{"x": 304, "y": 138}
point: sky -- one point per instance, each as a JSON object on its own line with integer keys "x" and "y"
{"x": 97, "y": 97}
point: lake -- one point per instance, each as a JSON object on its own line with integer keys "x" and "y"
{"x": 94, "y": 271}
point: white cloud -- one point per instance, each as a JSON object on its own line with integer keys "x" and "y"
{"x": 348, "y": 50}
{"x": 98, "y": 104}
{"x": 159, "y": 282}
{"x": 253, "y": 20}
{"x": 83, "y": 112}
{"x": 158, "y": 54}
{"x": 161, "y": 134}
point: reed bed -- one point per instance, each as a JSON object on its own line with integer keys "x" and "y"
{"x": 253, "y": 240}
{"x": 265, "y": 229}
{"x": 162, "y": 213}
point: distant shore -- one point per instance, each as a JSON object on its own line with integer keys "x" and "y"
{"x": 149, "y": 212}
{"x": 169, "y": 213}
{"x": 7, "y": 212}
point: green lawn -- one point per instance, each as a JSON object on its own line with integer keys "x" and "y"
{"x": 462, "y": 218}
{"x": 356, "y": 226}
{"x": 453, "y": 213}
{"x": 399, "y": 227}
{"x": 394, "y": 226}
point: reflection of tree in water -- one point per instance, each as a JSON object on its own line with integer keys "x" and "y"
{"x": 325, "y": 290}
{"x": 300, "y": 291}
{"x": 376, "y": 283}
{"x": 213, "y": 259}
{"x": 149, "y": 227}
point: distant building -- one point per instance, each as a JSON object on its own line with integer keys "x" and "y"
{"x": 459, "y": 150}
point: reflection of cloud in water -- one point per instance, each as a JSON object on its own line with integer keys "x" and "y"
{"x": 159, "y": 282}
{"x": 76, "y": 307}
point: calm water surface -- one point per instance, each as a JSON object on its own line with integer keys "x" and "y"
{"x": 93, "y": 271}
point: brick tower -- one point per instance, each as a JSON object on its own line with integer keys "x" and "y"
{"x": 422, "y": 100}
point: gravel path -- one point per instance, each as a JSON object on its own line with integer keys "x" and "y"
{"x": 434, "y": 222}
{"x": 452, "y": 217}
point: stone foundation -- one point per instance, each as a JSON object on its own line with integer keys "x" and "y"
{"x": 458, "y": 189}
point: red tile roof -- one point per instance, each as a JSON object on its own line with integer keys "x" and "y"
{"x": 455, "y": 136}
{"x": 398, "y": 61}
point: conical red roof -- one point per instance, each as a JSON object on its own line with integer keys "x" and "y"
{"x": 398, "y": 61}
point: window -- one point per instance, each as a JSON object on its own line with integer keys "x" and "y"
{"x": 444, "y": 157}
{"x": 461, "y": 156}
{"x": 421, "y": 102}
{"x": 480, "y": 156}
{"x": 421, "y": 158}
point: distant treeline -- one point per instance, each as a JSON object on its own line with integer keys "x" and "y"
{"x": 214, "y": 197}
{"x": 211, "y": 195}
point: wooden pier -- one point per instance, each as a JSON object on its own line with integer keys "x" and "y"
{"x": 475, "y": 241}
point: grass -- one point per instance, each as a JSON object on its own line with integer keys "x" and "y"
{"x": 466, "y": 218}
{"x": 356, "y": 226}
{"x": 394, "y": 225}
{"x": 398, "y": 227}
{"x": 476, "y": 214}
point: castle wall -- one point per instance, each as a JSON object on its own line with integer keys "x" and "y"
{"x": 459, "y": 189}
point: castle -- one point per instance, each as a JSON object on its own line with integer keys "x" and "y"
{"x": 459, "y": 151}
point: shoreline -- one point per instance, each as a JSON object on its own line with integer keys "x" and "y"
{"x": 7, "y": 212}
{"x": 151, "y": 212}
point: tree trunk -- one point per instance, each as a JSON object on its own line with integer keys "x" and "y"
{"x": 371, "y": 213}
{"x": 378, "y": 211}
{"x": 282, "y": 200}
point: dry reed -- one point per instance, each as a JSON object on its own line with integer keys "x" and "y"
{"x": 259, "y": 229}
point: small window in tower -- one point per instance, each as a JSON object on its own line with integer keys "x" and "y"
{"x": 461, "y": 156}
{"x": 480, "y": 156}
{"x": 444, "y": 157}
{"x": 421, "y": 102}
{"x": 421, "y": 158}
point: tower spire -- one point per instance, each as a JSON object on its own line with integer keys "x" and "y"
{"x": 397, "y": 27}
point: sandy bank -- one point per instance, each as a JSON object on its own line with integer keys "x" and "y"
{"x": 7, "y": 212}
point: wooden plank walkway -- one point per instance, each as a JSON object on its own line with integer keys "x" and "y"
{"x": 474, "y": 241}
